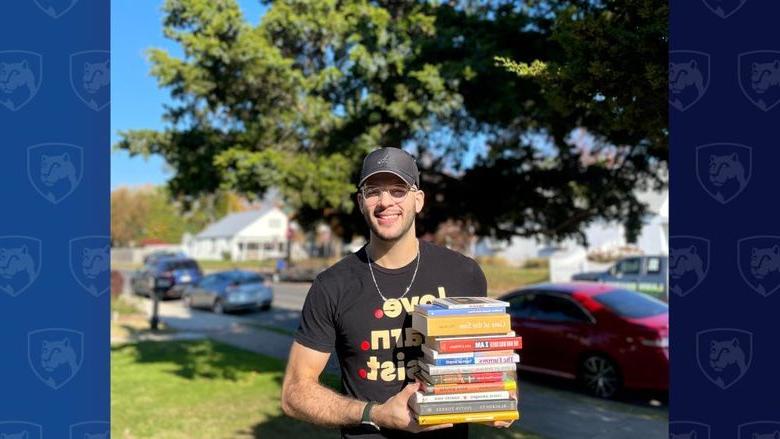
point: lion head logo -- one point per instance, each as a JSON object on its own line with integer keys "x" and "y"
{"x": 688, "y": 256}
{"x": 96, "y": 76}
{"x": 58, "y": 167}
{"x": 19, "y": 263}
{"x": 684, "y": 75}
{"x": 724, "y": 354}
{"x": 765, "y": 75}
{"x": 764, "y": 260}
{"x": 723, "y": 169}
{"x": 55, "y": 355}
{"x": 95, "y": 261}
{"x": 20, "y": 78}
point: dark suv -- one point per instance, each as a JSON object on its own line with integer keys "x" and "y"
{"x": 166, "y": 276}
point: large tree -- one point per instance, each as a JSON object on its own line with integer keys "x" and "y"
{"x": 296, "y": 101}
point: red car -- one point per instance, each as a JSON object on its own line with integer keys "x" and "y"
{"x": 608, "y": 338}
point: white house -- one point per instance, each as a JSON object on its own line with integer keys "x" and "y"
{"x": 249, "y": 235}
{"x": 601, "y": 235}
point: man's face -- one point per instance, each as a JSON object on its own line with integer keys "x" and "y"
{"x": 388, "y": 217}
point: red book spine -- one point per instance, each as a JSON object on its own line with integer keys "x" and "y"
{"x": 496, "y": 344}
{"x": 465, "y": 388}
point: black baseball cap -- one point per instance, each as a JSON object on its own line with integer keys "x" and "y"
{"x": 393, "y": 160}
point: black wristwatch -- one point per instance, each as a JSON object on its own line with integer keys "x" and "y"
{"x": 366, "y": 419}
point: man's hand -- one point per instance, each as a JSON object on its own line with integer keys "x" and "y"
{"x": 395, "y": 413}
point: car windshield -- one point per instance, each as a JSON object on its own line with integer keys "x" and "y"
{"x": 182, "y": 264}
{"x": 242, "y": 278}
{"x": 631, "y": 304}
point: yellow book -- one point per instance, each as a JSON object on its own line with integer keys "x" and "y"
{"x": 509, "y": 415}
{"x": 461, "y": 325}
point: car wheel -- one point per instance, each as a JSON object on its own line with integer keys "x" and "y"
{"x": 217, "y": 307}
{"x": 600, "y": 376}
{"x": 265, "y": 307}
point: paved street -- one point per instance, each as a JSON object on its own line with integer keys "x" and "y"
{"x": 551, "y": 408}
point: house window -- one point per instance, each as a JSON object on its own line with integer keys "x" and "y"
{"x": 281, "y": 246}
{"x": 268, "y": 246}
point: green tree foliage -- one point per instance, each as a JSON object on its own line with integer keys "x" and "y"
{"x": 298, "y": 100}
{"x": 148, "y": 214}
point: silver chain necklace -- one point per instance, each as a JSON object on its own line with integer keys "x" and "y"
{"x": 410, "y": 283}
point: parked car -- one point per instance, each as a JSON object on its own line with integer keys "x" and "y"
{"x": 300, "y": 274}
{"x": 230, "y": 291}
{"x": 647, "y": 274}
{"x": 168, "y": 276}
{"x": 152, "y": 257}
{"x": 605, "y": 337}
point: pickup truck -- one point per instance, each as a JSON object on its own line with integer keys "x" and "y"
{"x": 648, "y": 274}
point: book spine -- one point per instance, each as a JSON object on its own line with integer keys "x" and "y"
{"x": 436, "y": 354}
{"x": 473, "y": 360}
{"x": 444, "y": 408}
{"x": 508, "y": 415}
{"x": 420, "y": 398}
{"x": 436, "y": 311}
{"x": 465, "y": 388}
{"x": 461, "y": 325}
{"x": 468, "y": 378}
{"x": 477, "y": 345}
{"x": 469, "y": 368}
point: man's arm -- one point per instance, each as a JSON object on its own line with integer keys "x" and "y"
{"x": 303, "y": 397}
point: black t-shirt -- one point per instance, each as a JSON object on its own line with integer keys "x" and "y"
{"x": 373, "y": 339}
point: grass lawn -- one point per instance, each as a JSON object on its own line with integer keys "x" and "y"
{"x": 502, "y": 279}
{"x": 204, "y": 389}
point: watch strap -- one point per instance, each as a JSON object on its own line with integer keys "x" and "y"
{"x": 366, "y": 418}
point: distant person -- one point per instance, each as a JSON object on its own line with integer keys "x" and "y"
{"x": 281, "y": 264}
{"x": 360, "y": 308}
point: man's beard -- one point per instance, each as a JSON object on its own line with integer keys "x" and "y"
{"x": 408, "y": 222}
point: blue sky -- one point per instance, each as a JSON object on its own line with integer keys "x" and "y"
{"x": 136, "y": 101}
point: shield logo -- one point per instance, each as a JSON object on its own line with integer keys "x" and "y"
{"x": 90, "y": 430}
{"x": 689, "y": 77}
{"x": 55, "y": 355}
{"x": 759, "y": 77}
{"x": 724, "y": 169}
{"x": 55, "y": 8}
{"x": 724, "y": 8}
{"x": 689, "y": 263}
{"x": 20, "y": 430}
{"x": 90, "y": 77}
{"x": 759, "y": 430}
{"x": 90, "y": 263}
{"x": 758, "y": 258}
{"x": 55, "y": 169}
{"x": 724, "y": 355}
{"x": 688, "y": 430}
{"x": 21, "y": 72}
{"x": 20, "y": 263}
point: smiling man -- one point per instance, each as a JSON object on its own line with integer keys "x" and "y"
{"x": 360, "y": 308}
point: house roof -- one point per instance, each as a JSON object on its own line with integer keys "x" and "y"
{"x": 233, "y": 223}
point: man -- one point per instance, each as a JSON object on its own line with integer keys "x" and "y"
{"x": 361, "y": 308}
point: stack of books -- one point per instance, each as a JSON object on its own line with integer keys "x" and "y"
{"x": 468, "y": 369}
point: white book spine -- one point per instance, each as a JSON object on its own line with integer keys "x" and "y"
{"x": 469, "y": 368}
{"x": 455, "y": 397}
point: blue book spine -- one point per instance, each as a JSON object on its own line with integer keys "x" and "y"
{"x": 453, "y": 361}
{"x": 433, "y": 311}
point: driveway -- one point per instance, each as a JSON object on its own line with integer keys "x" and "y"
{"x": 550, "y": 408}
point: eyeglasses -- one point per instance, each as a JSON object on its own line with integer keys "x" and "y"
{"x": 398, "y": 192}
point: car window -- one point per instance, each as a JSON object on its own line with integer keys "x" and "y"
{"x": 249, "y": 278}
{"x": 553, "y": 308}
{"x": 209, "y": 281}
{"x": 628, "y": 266}
{"x": 653, "y": 265}
{"x": 181, "y": 264}
{"x": 521, "y": 305}
{"x": 631, "y": 304}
